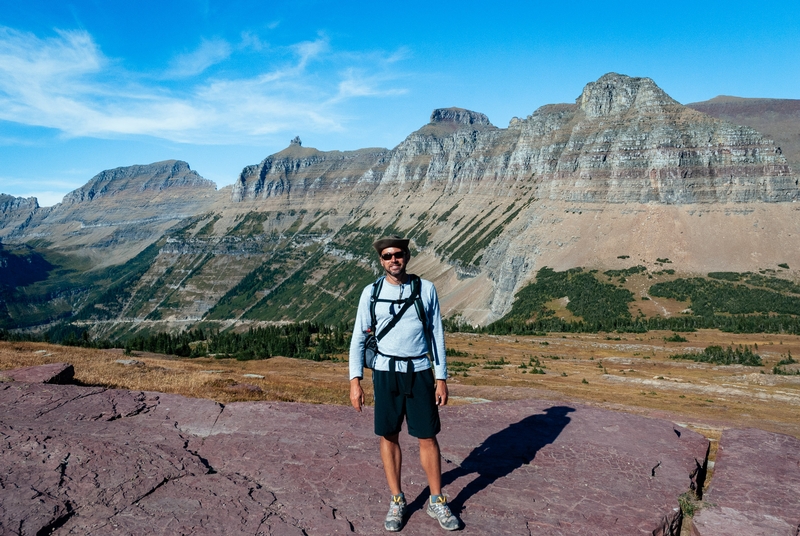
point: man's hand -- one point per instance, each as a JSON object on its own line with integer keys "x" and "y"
{"x": 441, "y": 392}
{"x": 357, "y": 394}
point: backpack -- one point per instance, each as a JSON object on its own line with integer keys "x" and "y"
{"x": 415, "y": 299}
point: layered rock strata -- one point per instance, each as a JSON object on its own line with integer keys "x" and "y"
{"x": 778, "y": 119}
{"x": 305, "y": 172}
{"x": 623, "y": 141}
{"x": 16, "y": 212}
{"x": 139, "y": 179}
{"x": 571, "y": 185}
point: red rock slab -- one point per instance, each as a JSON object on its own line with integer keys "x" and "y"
{"x": 570, "y": 469}
{"x": 59, "y": 373}
{"x": 302, "y": 451}
{"x": 48, "y": 402}
{"x": 196, "y": 504}
{"x": 755, "y": 488}
{"x": 509, "y": 468}
{"x": 60, "y": 471}
{"x": 81, "y": 460}
{"x": 723, "y": 520}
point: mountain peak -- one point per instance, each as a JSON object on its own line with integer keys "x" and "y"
{"x": 10, "y": 202}
{"x": 157, "y": 176}
{"x": 460, "y": 116}
{"x": 615, "y": 94}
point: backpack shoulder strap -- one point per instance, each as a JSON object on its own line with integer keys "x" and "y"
{"x": 407, "y": 303}
{"x": 421, "y": 313}
{"x": 376, "y": 291}
{"x": 416, "y": 294}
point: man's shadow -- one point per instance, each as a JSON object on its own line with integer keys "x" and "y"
{"x": 502, "y": 453}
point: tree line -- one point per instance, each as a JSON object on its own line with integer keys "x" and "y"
{"x": 735, "y": 303}
{"x": 303, "y": 340}
{"x": 730, "y": 302}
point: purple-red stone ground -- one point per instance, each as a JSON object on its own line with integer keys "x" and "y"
{"x": 756, "y": 487}
{"x": 94, "y": 461}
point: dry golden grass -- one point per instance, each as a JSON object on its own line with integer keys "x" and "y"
{"x": 629, "y": 372}
{"x": 223, "y": 380}
{"x": 633, "y": 372}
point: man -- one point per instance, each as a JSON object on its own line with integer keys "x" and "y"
{"x": 404, "y": 383}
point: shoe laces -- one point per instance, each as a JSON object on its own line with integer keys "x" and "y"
{"x": 441, "y": 505}
{"x": 396, "y": 505}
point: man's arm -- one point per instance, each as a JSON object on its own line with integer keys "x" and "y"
{"x": 357, "y": 349}
{"x": 437, "y": 335}
{"x": 357, "y": 393}
{"x": 441, "y": 393}
{"x": 361, "y": 324}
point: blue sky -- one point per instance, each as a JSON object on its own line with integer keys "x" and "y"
{"x": 88, "y": 85}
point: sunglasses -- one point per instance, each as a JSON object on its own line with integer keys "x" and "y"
{"x": 396, "y": 255}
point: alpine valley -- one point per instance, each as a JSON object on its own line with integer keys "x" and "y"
{"x": 623, "y": 177}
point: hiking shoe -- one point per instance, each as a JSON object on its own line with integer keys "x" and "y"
{"x": 397, "y": 511}
{"x": 441, "y": 512}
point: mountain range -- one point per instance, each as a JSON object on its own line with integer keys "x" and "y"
{"x": 623, "y": 176}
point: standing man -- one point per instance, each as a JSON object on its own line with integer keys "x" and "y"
{"x": 405, "y": 385}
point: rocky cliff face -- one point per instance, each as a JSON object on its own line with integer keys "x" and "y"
{"x": 16, "y": 212}
{"x": 627, "y": 141}
{"x": 135, "y": 180}
{"x": 558, "y": 188}
{"x": 301, "y": 172}
{"x": 10, "y": 204}
{"x": 624, "y": 140}
{"x": 778, "y": 119}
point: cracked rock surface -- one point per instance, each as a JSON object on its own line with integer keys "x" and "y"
{"x": 94, "y": 461}
{"x": 756, "y": 486}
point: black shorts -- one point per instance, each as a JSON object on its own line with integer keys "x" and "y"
{"x": 419, "y": 408}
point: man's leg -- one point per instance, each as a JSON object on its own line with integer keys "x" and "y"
{"x": 431, "y": 462}
{"x": 392, "y": 458}
{"x": 423, "y": 423}
{"x": 437, "y": 504}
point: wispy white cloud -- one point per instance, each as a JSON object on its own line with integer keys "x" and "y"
{"x": 402, "y": 53}
{"x": 310, "y": 50}
{"x": 355, "y": 83}
{"x": 251, "y": 41}
{"x": 29, "y": 62}
{"x": 64, "y": 82}
{"x": 193, "y": 63}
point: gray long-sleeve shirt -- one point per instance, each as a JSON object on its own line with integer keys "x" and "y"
{"x": 406, "y": 338}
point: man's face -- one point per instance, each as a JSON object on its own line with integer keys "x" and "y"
{"x": 394, "y": 261}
